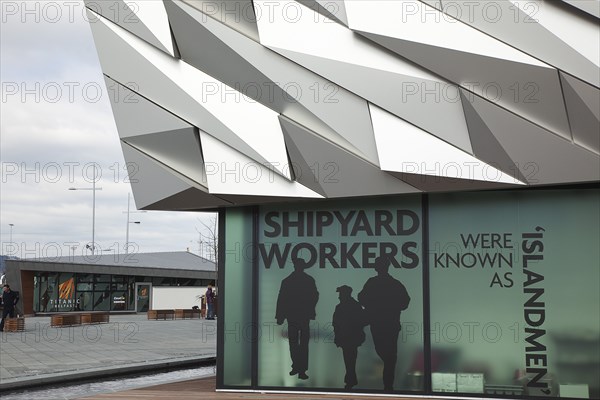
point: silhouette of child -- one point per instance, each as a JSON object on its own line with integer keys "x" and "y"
{"x": 349, "y": 320}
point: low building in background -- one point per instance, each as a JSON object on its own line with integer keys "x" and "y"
{"x": 115, "y": 282}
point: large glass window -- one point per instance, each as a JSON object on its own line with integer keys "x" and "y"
{"x": 350, "y": 255}
{"x": 102, "y": 282}
{"x": 131, "y": 293}
{"x": 102, "y": 300}
{"x": 48, "y": 292}
{"x": 162, "y": 281}
{"x": 85, "y": 282}
{"x": 237, "y": 326}
{"x": 515, "y": 293}
{"x": 119, "y": 283}
{"x": 85, "y": 301}
{"x": 512, "y": 279}
{"x": 62, "y": 292}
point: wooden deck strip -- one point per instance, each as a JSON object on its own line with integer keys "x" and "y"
{"x": 205, "y": 389}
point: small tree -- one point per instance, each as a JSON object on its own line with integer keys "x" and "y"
{"x": 208, "y": 240}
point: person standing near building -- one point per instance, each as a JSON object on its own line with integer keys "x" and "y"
{"x": 296, "y": 302}
{"x": 9, "y": 301}
{"x": 210, "y": 302}
{"x": 384, "y": 298}
{"x": 348, "y": 329}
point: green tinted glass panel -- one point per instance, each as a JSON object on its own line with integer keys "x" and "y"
{"x": 85, "y": 301}
{"x": 340, "y": 242}
{"x": 85, "y": 282}
{"x": 46, "y": 292}
{"x": 515, "y": 289}
{"x": 50, "y": 295}
{"x": 238, "y": 305}
{"x": 102, "y": 301}
{"x": 102, "y": 278}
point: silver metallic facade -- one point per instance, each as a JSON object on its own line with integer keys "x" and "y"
{"x": 222, "y": 103}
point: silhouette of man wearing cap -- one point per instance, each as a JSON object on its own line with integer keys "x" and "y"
{"x": 348, "y": 327}
{"x": 298, "y": 297}
{"x": 384, "y": 298}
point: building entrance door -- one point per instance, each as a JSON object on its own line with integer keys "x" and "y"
{"x": 142, "y": 296}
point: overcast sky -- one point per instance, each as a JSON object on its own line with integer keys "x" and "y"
{"x": 56, "y": 121}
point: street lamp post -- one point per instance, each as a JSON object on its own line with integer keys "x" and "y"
{"x": 93, "y": 189}
{"x": 11, "y": 226}
{"x": 128, "y": 222}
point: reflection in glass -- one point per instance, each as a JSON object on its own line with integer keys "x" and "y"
{"x": 143, "y": 297}
{"x": 85, "y": 282}
{"x": 85, "y": 301}
{"x": 102, "y": 301}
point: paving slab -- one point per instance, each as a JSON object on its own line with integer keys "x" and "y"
{"x": 43, "y": 354}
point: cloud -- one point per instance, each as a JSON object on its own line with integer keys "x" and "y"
{"x": 56, "y": 121}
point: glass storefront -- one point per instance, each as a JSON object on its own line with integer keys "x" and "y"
{"x": 483, "y": 294}
{"x": 64, "y": 292}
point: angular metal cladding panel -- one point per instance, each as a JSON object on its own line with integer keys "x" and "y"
{"x": 150, "y": 181}
{"x": 303, "y": 171}
{"x": 335, "y": 52}
{"x": 542, "y": 157}
{"x": 191, "y": 199}
{"x": 583, "y": 105}
{"x": 388, "y": 116}
{"x": 145, "y": 19}
{"x": 546, "y": 30}
{"x": 591, "y": 7}
{"x": 332, "y": 9}
{"x": 272, "y": 80}
{"x": 230, "y": 172}
{"x": 333, "y": 170}
{"x": 474, "y": 60}
{"x": 431, "y": 183}
{"x": 178, "y": 150}
{"x": 157, "y": 132}
{"x": 406, "y": 148}
{"x": 236, "y": 14}
{"x": 182, "y": 89}
{"x": 135, "y": 115}
{"x": 485, "y": 146}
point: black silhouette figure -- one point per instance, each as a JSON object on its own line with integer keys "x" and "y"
{"x": 9, "y": 302}
{"x": 45, "y": 300}
{"x": 384, "y": 298}
{"x": 348, "y": 327}
{"x": 296, "y": 302}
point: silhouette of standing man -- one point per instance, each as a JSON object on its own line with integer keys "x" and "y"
{"x": 296, "y": 302}
{"x": 9, "y": 301}
{"x": 348, "y": 328}
{"x": 384, "y": 298}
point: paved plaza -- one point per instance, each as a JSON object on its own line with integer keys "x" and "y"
{"x": 44, "y": 354}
